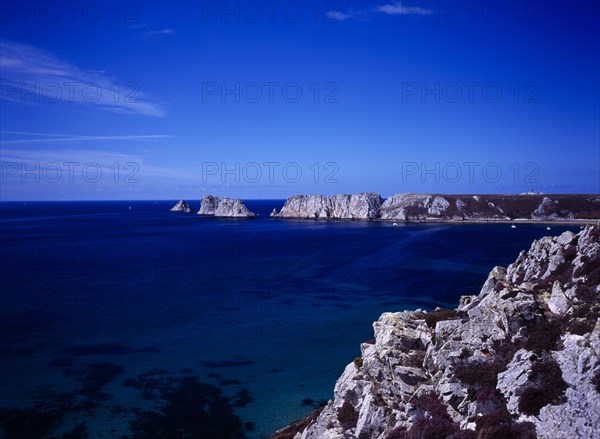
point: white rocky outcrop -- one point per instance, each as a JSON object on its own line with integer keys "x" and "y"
{"x": 396, "y": 207}
{"x": 364, "y": 205}
{"x": 521, "y": 359}
{"x": 406, "y": 207}
{"x": 550, "y": 209}
{"x": 182, "y": 207}
{"x": 224, "y": 207}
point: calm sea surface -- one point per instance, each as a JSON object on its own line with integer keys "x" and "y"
{"x": 124, "y": 319}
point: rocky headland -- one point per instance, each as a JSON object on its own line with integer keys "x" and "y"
{"x": 365, "y": 205}
{"x": 181, "y": 206}
{"x": 224, "y": 207}
{"x": 519, "y": 360}
{"x": 444, "y": 208}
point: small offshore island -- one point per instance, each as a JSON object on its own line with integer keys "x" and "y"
{"x": 217, "y": 207}
{"x": 417, "y": 208}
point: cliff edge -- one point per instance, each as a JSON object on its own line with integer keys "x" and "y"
{"x": 519, "y": 360}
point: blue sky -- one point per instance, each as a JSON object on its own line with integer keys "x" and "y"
{"x": 263, "y": 99}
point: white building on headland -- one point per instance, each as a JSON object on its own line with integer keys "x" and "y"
{"x": 532, "y": 192}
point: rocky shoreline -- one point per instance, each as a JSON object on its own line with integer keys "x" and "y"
{"x": 446, "y": 208}
{"x": 519, "y": 360}
{"x": 418, "y": 208}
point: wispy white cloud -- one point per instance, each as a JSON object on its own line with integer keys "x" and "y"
{"x": 366, "y": 13}
{"x": 26, "y": 70}
{"x": 154, "y": 33}
{"x": 398, "y": 8}
{"x": 337, "y": 15}
{"x": 105, "y": 160}
{"x": 52, "y": 138}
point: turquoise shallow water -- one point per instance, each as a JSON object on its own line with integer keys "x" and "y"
{"x": 118, "y": 321}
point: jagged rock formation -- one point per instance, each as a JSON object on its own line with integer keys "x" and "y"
{"x": 519, "y": 360}
{"x": 224, "y": 207}
{"x": 208, "y": 205}
{"x": 550, "y": 209}
{"x": 182, "y": 207}
{"x": 364, "y": 205}
{"x": 419, "y": 207}
{"x": 443, "y": 208}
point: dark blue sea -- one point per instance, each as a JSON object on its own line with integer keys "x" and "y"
{"x": 124, "y": 320}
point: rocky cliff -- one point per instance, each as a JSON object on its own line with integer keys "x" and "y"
{"x": 224, "y": 207}
{"x": 443, "y": 208}
{"x": 182, "y": 207}
{"x": 439, "y": 207}
{"x": 519, "y": 360}
{"x": 364, "y": 205}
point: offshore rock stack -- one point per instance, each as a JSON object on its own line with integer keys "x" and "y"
{"x": 224, "y": 207}
{"x": 182, "y": 207}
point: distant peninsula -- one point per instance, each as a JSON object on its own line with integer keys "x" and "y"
{"x": 418, "y": 208}
{"x": 408, "y": 207}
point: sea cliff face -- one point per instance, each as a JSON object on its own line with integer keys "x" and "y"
{"x": 224, "y": 207}
{"x": 443, "y": 207}
{"x": 364, "y": 205}
{"x": 519, "y": 360}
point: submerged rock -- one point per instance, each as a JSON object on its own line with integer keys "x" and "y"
{"x": 224, "y": 207}
{"x": 182, "y": 207}
{"x": 521, "y": 359}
